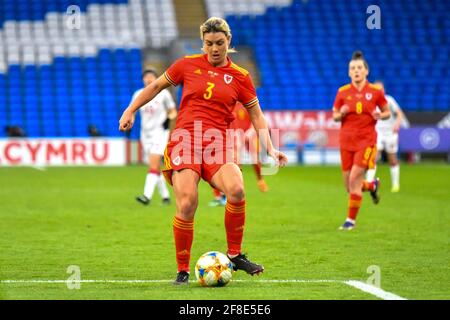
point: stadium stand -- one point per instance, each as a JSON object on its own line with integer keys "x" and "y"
{"x": 302, "y": 48}
{"x": 55, "y": 81}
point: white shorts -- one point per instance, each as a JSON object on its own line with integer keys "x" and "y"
{"x": 388, "y": 142}
{"x": 154, "y": 142}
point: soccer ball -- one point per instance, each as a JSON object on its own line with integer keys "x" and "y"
{"x": 213, "y": 269}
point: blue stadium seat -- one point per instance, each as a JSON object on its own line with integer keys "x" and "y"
{"x": 309, "y": 33}
{"x": 301, "y": 51}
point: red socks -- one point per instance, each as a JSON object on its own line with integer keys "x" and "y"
{"x": 354, "y": 203}
{"x": 257, "y": 168}
{"x": 217, "y": 194}
{"x": 234, "y": 226}
{"x": 183, "y": 232}
{"x": 368, "y": 186}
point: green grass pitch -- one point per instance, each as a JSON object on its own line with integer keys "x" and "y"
{"x": 88, "y": 217}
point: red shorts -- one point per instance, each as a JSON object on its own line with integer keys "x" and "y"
{"x": 205, "y": 162}
{"x": 364, "y": 158}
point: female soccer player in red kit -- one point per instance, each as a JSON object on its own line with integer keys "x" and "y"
{"x": 212, "y": 84}
{"x": 355, "y": 106}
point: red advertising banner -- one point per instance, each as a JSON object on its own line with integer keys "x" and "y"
{"x": 300, "y": 128}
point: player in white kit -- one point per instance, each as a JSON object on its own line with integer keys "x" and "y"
{"x": 387, "y": 139}
{"x": 154, "y": 136}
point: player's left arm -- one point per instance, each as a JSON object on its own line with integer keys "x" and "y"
{"x": 384, "y": 114}
{"x": 260, "y": 124}
{"x": 384, "y": 107}
{"x": 147, "y": 94}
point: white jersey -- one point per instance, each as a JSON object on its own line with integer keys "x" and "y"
{"x": 386, "y": 127}
{"x": 154, "y": 113}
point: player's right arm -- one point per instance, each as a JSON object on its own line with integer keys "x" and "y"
{"x": 339, "y": 108}
{"x": 170, "y": 106}
{"x": 148, "y": 93}
{"x": 172, "y": 76}
{"x": 338, "y": 115}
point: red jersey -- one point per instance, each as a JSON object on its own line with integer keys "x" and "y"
{"x": 358, "y": 126}
{"x": 241, "y": 118}
{"x": 210, "y": 93}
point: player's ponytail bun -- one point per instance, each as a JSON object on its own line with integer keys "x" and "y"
{"x": 358, "y": 55}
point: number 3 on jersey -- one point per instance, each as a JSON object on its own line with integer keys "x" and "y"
{"x": 208, "y": 94}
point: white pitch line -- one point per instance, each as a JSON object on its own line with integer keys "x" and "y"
{"x": 378, "y": 292}
{"x": 162, "y": 281}
{"x": 287, "y": 281}
{"x": 84, "y": 281}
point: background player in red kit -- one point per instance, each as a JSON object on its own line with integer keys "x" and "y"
{"x": 212, "y": 84}
{"x": 247, "y": 139}
{"x": 355, "y": 106}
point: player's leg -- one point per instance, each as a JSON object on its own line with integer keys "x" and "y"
{"x": 161, "y": 182}
{"x": 348, "y": 225}
{"x": 354, "y": 166}
{"x": 371, "y": 172}
{"x": 229, "y": 179}
{"x": 163, "y": 190}
{"x": 355, "y": 180}
{"x": 262, "y": 184}
{"x": 367, "y": 159}
{"x": 152, "y": 180}
{"x": 152, "y": 175}
{"x": 395, "y": 172}
{"x": 346, "y": 179}
{"x": 252, "y": 140}
{"x": 394, "y": 163}
{"x": 219, "y": 198}
{"x": 158, "y": 148}
{"x": 185, "y": 187}
{"x": 346, "y": 166}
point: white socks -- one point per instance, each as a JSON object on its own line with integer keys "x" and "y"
{"x": 162, "y": 187}
{"x": 370, "y": 175}
{"x": 395, "y": 176}
{"x": 155, "y": 180}
{"x": 150, "y": 183}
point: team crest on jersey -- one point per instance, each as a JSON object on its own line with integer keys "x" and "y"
{"x": 368, "y": 96}
{"x": 349, "y": 97}
{"x": 177, "y": 161}
{"x": 227, "y": 78}
{"x": 198, "y": 71}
